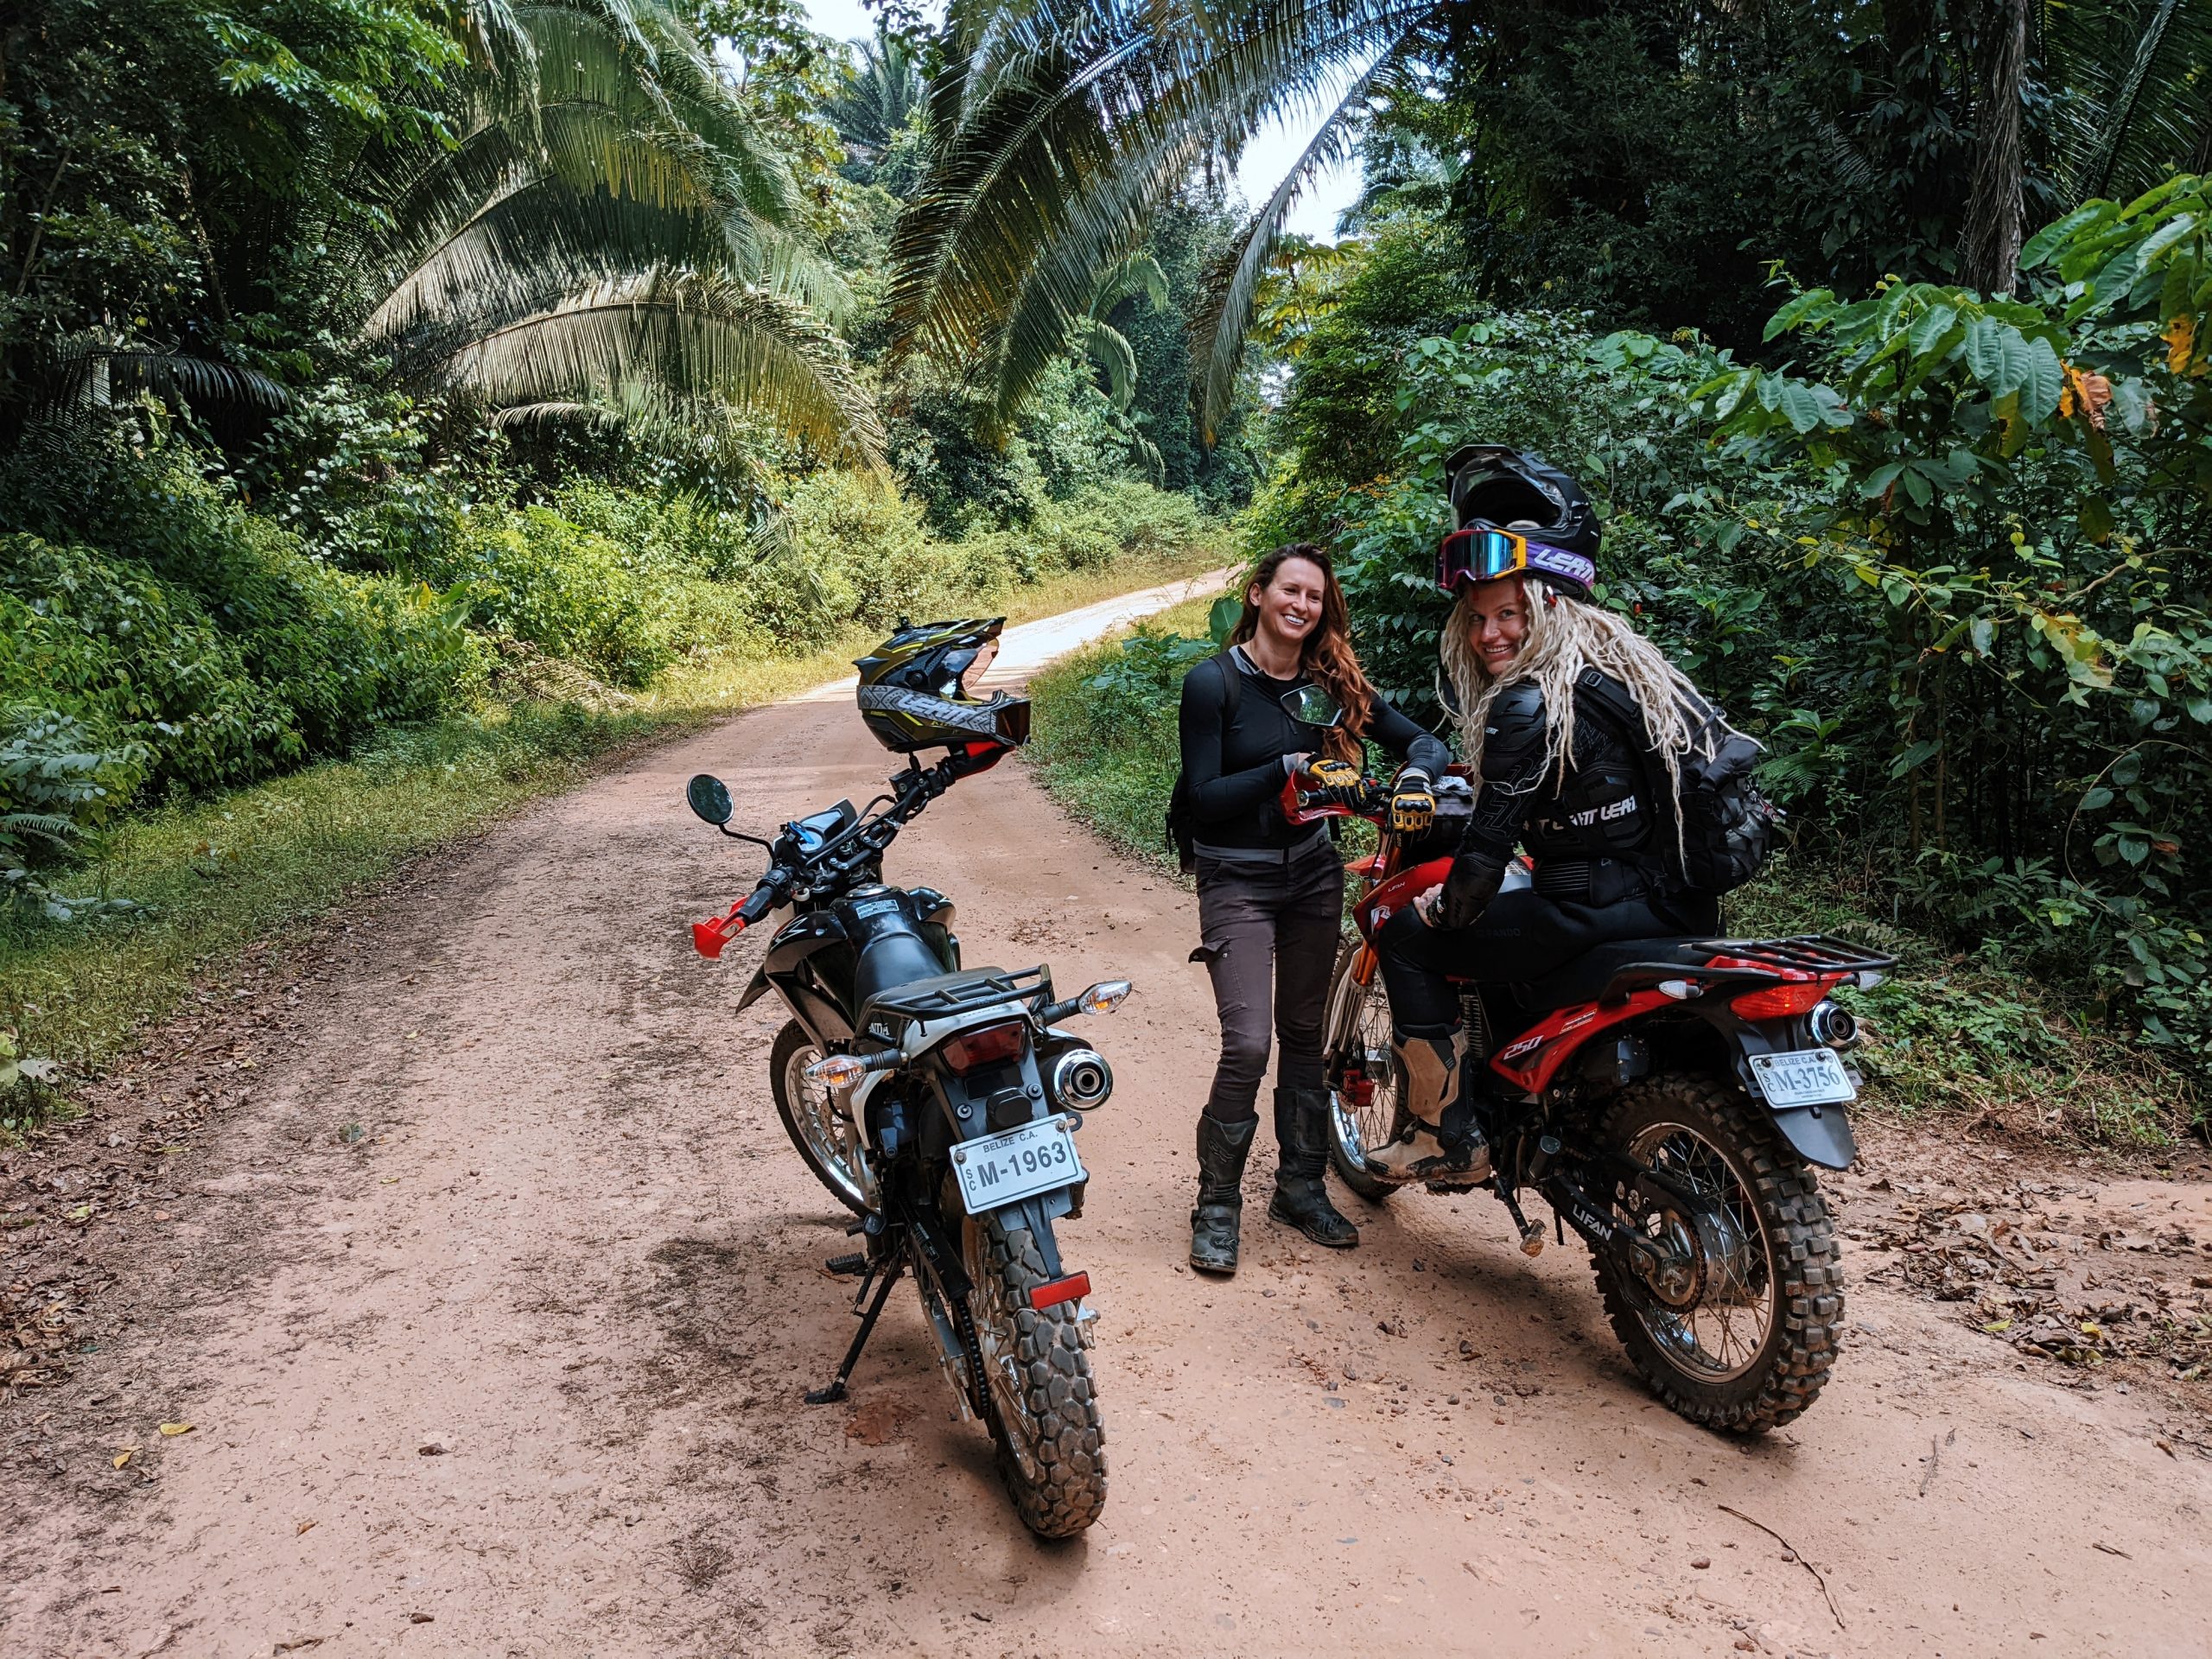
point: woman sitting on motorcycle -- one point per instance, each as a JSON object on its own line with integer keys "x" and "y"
{"x": 1523, "y": 643}
{"x": 1271, "y": 893}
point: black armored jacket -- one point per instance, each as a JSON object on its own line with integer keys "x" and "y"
{"x": 1590, "y": 826}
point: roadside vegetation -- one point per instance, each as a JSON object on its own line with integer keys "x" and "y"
{"x": 402, "y": 409}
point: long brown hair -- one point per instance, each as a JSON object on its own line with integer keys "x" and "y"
{"x": 1326, "y": 658}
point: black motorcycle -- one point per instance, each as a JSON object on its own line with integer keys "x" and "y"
{"x": 940, "y": 1105}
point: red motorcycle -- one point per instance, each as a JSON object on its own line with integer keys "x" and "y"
{"x": 1670, "y": 1098}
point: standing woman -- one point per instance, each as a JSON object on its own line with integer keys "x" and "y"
{"x": 1271, "y": 895}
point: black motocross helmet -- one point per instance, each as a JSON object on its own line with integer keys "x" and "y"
{"x": 917, "y": 689}
{"x": 1496, "y": 488}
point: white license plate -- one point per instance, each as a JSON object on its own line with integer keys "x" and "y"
{"x": 1807, "y": 1076}
{"x": 1002, "y": 1169}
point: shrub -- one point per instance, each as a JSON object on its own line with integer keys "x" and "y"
{"x": 535, "y": 576}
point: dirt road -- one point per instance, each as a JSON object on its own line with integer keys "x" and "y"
{"x": 490, "y": 1286}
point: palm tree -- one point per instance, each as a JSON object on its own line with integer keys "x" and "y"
{"x": 603, "y": 232}
{"x": 611, "y": 231}
{"x": 2134, "y": 92}
{"x": 1056, "y": 131}
{"x": 882, "y": 91}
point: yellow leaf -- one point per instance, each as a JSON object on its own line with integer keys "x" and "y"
{"x": 124, "y": 1456}
{"x": 1995, "y": 1326}
{"x": 174, "y": 1429}
{"x": 2181, "y": 343}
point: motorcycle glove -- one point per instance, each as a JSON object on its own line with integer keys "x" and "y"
{"x": 1413, "y": 804}
{"x": 1327, "y": 773}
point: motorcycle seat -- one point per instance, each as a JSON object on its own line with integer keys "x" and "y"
{"x": 1585, "y": 979}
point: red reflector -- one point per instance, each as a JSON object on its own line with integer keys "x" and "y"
{"x": 988, "y": 1046}
{"x": 1778, "y": 1002}
{"x": 1054, "y": 1291}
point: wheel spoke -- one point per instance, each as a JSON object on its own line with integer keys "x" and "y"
{"x": 1722, "y": 1333}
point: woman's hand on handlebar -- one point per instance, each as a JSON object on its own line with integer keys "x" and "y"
{"x": 1425, "y": 906}
{"x": 1328, "y": 773}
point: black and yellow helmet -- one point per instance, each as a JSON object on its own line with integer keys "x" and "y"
{"x": 917, "y": 689}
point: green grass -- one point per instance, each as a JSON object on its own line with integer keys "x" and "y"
{"x": 215, "y": 878}
{"x": 1960, "y": 1035}
{"x": 1112, "y": 767}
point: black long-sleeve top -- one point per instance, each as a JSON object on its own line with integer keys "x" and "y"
{"x": 1234, "y": 768}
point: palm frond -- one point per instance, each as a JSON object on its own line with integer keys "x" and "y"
{"x": 85, "y": 373}
{"x": 2135, "y": 97}
{"x": 1056, "y": 131}
{"x": 691, "y": 334}
{"x": 1110, "y": 349}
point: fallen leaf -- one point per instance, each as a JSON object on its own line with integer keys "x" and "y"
{"x": 174, "y": 1429}
{"x": 125, "y": 1455}
{"x": 304, "y": 1525}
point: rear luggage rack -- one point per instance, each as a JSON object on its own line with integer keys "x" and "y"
{"x": 952, "y": 993}
{"x": 1805, "y": 954}
{"x": 1811, "y": 953}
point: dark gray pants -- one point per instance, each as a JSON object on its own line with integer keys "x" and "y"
{"x": 1269, "y": 927}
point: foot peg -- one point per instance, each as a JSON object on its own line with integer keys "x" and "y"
{"x": 1532, "y": 1233}
{"x": 847, "y": 1266}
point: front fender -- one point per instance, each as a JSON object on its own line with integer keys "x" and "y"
{"x": 757, "y": 988}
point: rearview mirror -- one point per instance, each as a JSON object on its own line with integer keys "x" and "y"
{"x": 1311, "y": 706}
{"x": 710, "y": 798}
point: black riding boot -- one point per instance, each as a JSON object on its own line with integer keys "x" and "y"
{"x": 1222, "y": 1148}
{"x": 1301, "y": 1200}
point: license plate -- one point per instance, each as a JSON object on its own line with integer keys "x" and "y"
{"x": 1808, "y": 1077}
{"x": 1002, "y": 1169}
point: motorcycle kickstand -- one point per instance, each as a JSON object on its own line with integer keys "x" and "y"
{"x": 836, "y": 1391}
{"x": 1532, "y": 1232}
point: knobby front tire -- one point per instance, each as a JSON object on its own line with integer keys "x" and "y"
{"x": 1356, "y": 1033}
{"x": 816, "y": 1123}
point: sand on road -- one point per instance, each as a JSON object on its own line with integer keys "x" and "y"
{"x": 491, "y": 1304}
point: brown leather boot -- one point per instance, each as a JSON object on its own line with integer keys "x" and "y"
{"x": 1432, "y": 1072}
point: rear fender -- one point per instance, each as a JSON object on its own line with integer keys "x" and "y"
{"x": 1820, "y": 1135}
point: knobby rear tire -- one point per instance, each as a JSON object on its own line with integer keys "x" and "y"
{"x": 1801, "y": 1257}
{"x": 1064, "y": 1435}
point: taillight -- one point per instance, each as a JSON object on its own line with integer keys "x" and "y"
{"x": 1779, "y": 1001}
{"x": 988, "y": 1046}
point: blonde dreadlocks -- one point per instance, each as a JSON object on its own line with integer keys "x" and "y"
{"x": 1565, "y": 636}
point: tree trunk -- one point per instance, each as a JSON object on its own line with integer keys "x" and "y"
{"x": 1989, "y": 241}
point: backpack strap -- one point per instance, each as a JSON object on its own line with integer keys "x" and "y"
{"x": 1617, "y": 703}
{"x": 1232, "y": 686}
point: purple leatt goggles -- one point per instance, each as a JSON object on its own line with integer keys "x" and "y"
{"x": 1467, "y": 556}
